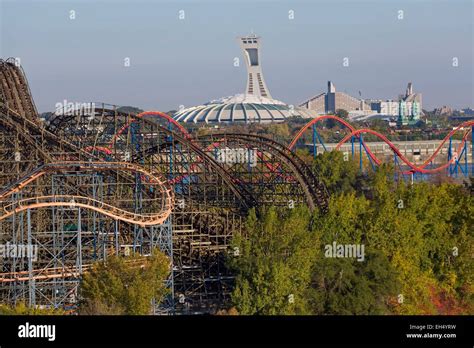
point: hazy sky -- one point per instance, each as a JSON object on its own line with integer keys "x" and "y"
{"x": 190, "y": 61}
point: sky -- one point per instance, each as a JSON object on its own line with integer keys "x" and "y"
{"x": 188, "y": 61}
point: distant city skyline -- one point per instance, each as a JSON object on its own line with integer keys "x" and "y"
{"x": 188, "y": 61}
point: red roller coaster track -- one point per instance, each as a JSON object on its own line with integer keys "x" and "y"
{"x": 108, "y": 150}
{"x": 317, "y": 120}
{"x": 149, "y": 113}
{"x": 353, "y": 133}
{"x": 413, "y": 168}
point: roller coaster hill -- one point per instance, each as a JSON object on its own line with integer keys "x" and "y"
{"x": 98, "y": 181}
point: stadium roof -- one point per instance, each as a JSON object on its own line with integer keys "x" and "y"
{"x": 240, "y": 109}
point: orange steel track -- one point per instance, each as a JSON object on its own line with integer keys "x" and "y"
{"x": 143, "y": 220}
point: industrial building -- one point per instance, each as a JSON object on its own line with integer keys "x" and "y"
{"x": 332, "y": 100}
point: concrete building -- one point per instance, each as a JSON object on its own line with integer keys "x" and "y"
{"x": 400, "y": 108}
{"x": 254, "y": 105}
{"x": 332, "y": 100}
{"x": 467, "y": 112}
{"x": 444, "y": 110}
{"x": 410, "y": 107}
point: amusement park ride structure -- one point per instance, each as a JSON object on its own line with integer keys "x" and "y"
{"x": 457, "y": 157}
{"x": 89, "y": 184}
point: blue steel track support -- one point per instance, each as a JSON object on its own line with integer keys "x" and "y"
{"x": 138, "y": 231}
{"x": 370, "y": 159}
{"x": 466, "y": 167}
{"x": 79, "y": 241}
{"x": 458, "y": 160}
{"x": 68, "y": 230}
{"x": 31, "y": 281}
{"x": 317, "y": 138}
{"x": 315, "y": 148}
{"x": 162, "y": 236}
{"x": 450, "y": 169}
{"x": 352, "y": 146}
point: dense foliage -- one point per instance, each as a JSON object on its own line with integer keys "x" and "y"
{"x": 418, "y": 243}
{"x": 124, "y": 285}
{"x": 22, "y": 309}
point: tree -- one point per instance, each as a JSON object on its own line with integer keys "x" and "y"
{"x": 346, "y": 286}
{"x": 330, "y": 123}
{"x": 273, "y": 267}
{"x": 342, "y": 114}
{"x": 124, "y": 285}
{"x": 337, "y": 171}
{"x": 280, "y": 130}
{"x": 418, "y": 250}
{"x": 129, "y": 109}
{"x": 423, "y": 229}
{"x": 22, "y": 309}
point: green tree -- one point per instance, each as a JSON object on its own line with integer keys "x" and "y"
{"x": 342, "y": 114}
{"x": 124, "y": 285}
{"x": 347, "y": 286}
{"x": 418, "y": 241}
{"x": 426, "y": 231}
{"x": 337, "y": 171}
{"x": 273, "y": 268}
{"x": 22, "y": 309}
{"x": 281, "y": 130}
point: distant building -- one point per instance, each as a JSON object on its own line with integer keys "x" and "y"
{"x": 444, "y": 110}
{"x": 410, "y": 107}
{"x": 467, "y": 111}
{"x": 332, "y": 100}
{"x": 462, "y": 115}
{"x": 407, "y": 109}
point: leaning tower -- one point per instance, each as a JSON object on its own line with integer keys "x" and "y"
{"x": 255, "y": 83}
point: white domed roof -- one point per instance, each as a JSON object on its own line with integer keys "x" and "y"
{"x": 238, "y": 109}
{"x": 246, "y": 98}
